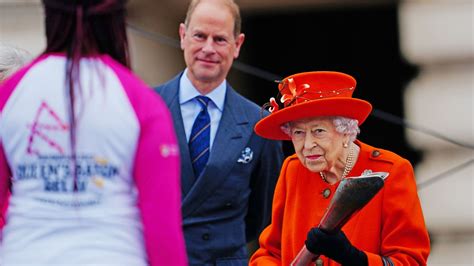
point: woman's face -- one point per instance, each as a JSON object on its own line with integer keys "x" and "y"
{"x": 317, "y": 143}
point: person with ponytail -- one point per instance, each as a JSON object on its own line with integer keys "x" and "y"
{"x": 88, "y": 154}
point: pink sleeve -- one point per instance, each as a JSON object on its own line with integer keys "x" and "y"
{"x": 157, "y": 177}
{"x": 156, "y": 172}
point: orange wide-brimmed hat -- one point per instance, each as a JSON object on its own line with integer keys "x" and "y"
{"x": 312, "y": 94}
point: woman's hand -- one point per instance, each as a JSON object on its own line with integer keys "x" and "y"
{"x": 335, "y": 246}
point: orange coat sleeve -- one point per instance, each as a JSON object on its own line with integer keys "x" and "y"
{"x": 403, "y": 241}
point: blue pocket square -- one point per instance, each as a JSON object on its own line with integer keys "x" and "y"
{"x": 246, "y": 156}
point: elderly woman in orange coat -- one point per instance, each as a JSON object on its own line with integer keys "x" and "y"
{"x": 322, "y": 120}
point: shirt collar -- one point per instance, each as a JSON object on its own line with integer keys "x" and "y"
{"x": 187, "y": 92}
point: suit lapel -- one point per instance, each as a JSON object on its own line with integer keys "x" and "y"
{"x": 231, "y": 137}
{"x": 172, "y": 100}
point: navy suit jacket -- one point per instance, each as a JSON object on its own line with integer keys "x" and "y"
{"x": 230, "y": 204}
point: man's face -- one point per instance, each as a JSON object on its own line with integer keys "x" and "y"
{"x": 209, "y": 44}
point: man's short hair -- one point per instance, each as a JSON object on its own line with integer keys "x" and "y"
{"x": 233, "y": 8}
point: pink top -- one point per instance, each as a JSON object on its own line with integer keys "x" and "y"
{"x": 127, "y": 207}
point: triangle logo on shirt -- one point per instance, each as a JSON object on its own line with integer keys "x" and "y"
{"x": 45, "y": 132}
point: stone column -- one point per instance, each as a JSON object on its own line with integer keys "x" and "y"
{"x": 438, "y": 37}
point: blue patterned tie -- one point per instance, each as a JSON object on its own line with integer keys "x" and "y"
{"x": 200, "y": 137}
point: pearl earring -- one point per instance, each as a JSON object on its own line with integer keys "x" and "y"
{"x": 345, "y": 145}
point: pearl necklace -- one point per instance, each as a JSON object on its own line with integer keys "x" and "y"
{"x": 347, "y": 167}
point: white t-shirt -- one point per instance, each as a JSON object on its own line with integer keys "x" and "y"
{"x": 94, "y": 217}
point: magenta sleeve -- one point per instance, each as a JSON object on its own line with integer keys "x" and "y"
{"x": 157, "y": 173}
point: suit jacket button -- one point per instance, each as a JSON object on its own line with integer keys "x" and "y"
{"x": 326, "y": 193}
{"x": 205, "y": 236}
{"x": 375, "y": 153}
{"x": 228, "y": 204}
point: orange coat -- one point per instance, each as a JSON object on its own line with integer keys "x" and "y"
{"x": 390, "y": 225}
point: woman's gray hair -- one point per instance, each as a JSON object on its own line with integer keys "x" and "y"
{"x": 11, "y": 59}
{"x": 347, "y": 126}
{"x": 342, "y": 124}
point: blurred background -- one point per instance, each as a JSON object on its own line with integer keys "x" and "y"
{"x": 413, "y": 60}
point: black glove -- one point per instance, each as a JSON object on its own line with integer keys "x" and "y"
{"x": 336, "y": 247}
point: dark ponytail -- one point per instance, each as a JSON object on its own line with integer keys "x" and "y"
{"x": 81, "y": 28}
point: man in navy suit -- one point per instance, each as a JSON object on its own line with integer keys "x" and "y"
{"x": 228, "y": 184}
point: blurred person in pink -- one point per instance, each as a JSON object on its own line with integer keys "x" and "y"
{"x": 89, "y": 150}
